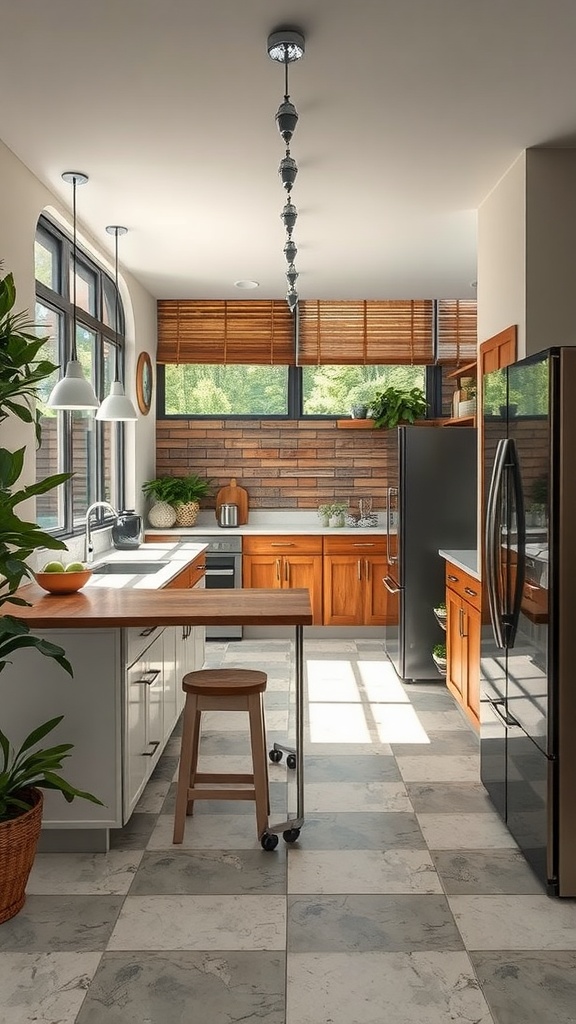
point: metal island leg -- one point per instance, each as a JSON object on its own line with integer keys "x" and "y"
{"x": 290, "y": 829}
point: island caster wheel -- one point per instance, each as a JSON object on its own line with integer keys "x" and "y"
{"x": 269, "y": 841}
{"x": 291, "y": 760}
{"x": 291, "y": 835}
{"x": 275, "y": 756}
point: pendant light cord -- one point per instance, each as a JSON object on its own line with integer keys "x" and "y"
{"x": 116, "y": 311}
{"x": 74, "y": 266}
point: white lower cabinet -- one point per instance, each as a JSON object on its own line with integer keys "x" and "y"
{"x": 119, "y": 710}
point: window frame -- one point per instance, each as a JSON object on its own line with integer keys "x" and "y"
{"x": 433, "y": 389}
{"x": 59, "y": 242}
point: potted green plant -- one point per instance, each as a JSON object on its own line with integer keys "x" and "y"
{"x": 439, "y": 656}
{"x": 324, "y": 513}
{"x": 189, "y": 491}
{"x": 393, "y": 405}
{"x": 23, "y": 774}
{"x": 337, "y": 513}
{"x": 441, "y": 612}
{"x": 163, "y": 493}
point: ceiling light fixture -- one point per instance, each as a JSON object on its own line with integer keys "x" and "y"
{"x": 287, "y": 46}
{"x": 117, "y": 406}
{"x": 73, "y": 391}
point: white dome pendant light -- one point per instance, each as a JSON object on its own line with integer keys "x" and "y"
{"x": 73, "y": 391}
{"x": 117, "y": 406}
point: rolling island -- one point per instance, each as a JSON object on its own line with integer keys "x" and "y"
{"x": 129, "y": 640}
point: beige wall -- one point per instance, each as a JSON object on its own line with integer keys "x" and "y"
{"x": 22, "y": 199}
{"x": 527, "y": 252}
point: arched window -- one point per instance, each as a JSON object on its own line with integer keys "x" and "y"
{"x": 75, "y": 442}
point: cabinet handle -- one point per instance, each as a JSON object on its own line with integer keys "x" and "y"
{"x": 453, "y": 579}
{"x": 278, "y": 569}
{"x": 468, "y": 590}
{"x": 150, "y": 753}
{"x": 367, "y": 545}
{"x": 148, "y": 631}
{"x": 282, "y": 544}
{"x": 461, "y": 623}
{"x": 287, "y": 571}
{"x": 367, "y": 568}
{"x": 148, "y": 677}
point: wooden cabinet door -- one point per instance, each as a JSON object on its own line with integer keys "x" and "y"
{"x": 262, "y": 571}
{"x": 455, "y": 664}
{"x": 378, "y": 601}
{"x": 343, "y": 590}
{"x": 305, "y": 571}
{"x": 472, "y": 696}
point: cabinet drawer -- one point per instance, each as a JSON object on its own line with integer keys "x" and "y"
{"x": 136, "y": 641}
{"x": 347, "y": 545}
{"x": 281, "y": 544}
{"x": 468, "y": 588}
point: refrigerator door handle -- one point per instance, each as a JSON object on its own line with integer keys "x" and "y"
{"x": 492, "y": 541}
{"x": 390, "y": 585}
{"x": 391, "y": 559}
{"x": 514, "y": 464}
{"x": 499, "y": 708}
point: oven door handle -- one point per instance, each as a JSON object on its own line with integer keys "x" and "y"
{"x": 219, "y": 572}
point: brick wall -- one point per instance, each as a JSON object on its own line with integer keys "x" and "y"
{"x": 282, "y": 464}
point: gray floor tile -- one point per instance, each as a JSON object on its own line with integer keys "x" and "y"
{"x": 222, "y": 872}
{"x": 135, "y": 834}
{"x": 357, "y": 924}
{"x": 49, "y": 924}
{"x": 528, "y": 988}
{"x": 353, "y": 768}
{"x": 362, "y": 830}
{"x": 190, "y": 987}
{"x": 441, "y": 743}
{"x": 480, "y": 872}
{"x": 448, "y": 797}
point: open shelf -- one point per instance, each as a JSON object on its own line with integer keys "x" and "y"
{"x": 460, "y": 421}
{"x": 355, "y": 424}
{"x": 441, "y": 620}
{"x": 462, "y": 371}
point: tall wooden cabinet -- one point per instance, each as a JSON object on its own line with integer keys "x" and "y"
{"x": 463, "y": 625}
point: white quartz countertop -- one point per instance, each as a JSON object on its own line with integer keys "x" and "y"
{"x": 269, "y": 521}
{"x": 465, "y": 560}
{"x": 178, "y": 555}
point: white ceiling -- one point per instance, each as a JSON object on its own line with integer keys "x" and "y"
{"x": 410, "y": 112}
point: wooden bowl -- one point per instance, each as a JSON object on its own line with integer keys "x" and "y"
{"x": 62, "y": 582}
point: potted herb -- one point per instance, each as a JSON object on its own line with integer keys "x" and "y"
{"x": 324, "y": 513}
{"x": 163, "y": 493}
{"x": 440, "y": 611}
{"x": 189, "y": 490}
{"x": 337, "y": 513}
{"x": 394, "y": 405}
{"x": 23, "y": 774}
{"x": 439, "y": 656}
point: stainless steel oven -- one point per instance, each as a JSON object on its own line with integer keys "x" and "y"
{"x": 223, "y": 572}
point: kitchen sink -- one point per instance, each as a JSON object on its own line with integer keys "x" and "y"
{"x": 117, "y": 568}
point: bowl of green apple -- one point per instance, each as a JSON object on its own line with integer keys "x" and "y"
{"x": 57, "y": 578}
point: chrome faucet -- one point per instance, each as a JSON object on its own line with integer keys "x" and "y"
{"x": 88, "y": 546}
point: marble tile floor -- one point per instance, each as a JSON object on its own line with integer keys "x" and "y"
{"x": 405, "y": 901}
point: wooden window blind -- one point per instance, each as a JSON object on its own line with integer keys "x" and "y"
{"x": 457, "y": 331}
{"x": 366, "y": 331}
{"x": 198, "y": 331}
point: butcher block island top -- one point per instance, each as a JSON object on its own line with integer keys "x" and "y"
{"x": 101, "y": 607}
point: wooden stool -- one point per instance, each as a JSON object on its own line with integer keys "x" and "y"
{"x": 232, "y": 689}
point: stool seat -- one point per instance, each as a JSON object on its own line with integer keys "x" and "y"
{"x": 229, "y": 689}
{"x": 224, "y": 682}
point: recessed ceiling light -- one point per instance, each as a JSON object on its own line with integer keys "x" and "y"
{"x": 246, "y": 284}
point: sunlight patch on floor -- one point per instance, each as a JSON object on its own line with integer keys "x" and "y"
{"x": 398, "y": 723}
{"x": 332, "y": 681}
{"x": 338, "y": 723}
{"x": 381, "y": 683}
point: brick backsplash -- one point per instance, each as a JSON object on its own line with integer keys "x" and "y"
{"x": 282, "y": 464}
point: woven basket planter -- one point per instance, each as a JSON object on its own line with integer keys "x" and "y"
{"x": 18, "y": 841}
{"x": 187, "y": 513}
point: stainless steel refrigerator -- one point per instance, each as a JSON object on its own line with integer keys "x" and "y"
{"x": 528, "y": 648}
{"x": 431, "y": 505}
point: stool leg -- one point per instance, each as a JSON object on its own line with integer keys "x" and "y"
{"x": 186, "y": 760}
{"x": 265, "y": 750}
{"x": 259, "y": 765}
{"x": 194, "y": 759}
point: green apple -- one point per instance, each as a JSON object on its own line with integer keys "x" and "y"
{"x": 75, "y": 567}
{"x": 53, "y": 567}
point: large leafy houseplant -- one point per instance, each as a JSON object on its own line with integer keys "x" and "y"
{"x": 395, "y": 405}
{"x": 22, "y": 773}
